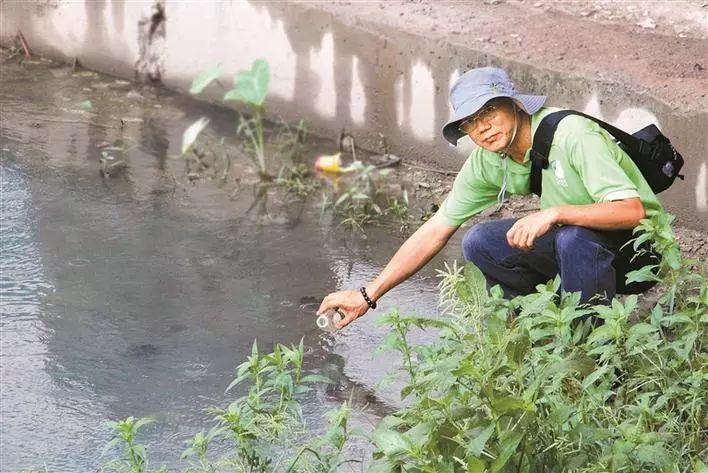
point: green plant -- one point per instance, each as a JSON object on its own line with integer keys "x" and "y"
{"x": 249, "y": 87}
{"x": 134, "y": 458}
{"x": 297, "y": 180}
{"x": 269, "y": 417}
{"x": 198, "y": 448}
{"x": 527, "y": 385}
{"x": 289, "y": 141}
{"x": 677, "y": 275}
{"x": 366, "y": 199}
{"x": 325, "y": 454}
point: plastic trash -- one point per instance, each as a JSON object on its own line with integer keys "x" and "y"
{"x": 329, "y": 163}
{"x": 328, "y": 321}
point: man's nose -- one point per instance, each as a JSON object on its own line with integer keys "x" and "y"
{"x": 482, "y": 125}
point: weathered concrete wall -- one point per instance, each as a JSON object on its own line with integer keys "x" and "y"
{"x": 335, "y": 73}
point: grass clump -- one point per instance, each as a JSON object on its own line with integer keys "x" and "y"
{"x": 366, "y": 198}
{"x": 528, "y": 385}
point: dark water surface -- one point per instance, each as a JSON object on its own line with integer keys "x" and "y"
{"x": 140, "y": 293}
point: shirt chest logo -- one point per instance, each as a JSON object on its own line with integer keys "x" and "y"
{"x": 557, "y": 168}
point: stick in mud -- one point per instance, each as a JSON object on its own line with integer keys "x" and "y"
{"x": 23, "y": 43}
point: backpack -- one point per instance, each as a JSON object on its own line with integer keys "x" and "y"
{"x": 651, "y": 151}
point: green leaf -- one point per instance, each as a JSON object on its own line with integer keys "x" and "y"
{"x": 475, "y": 465}
{"x": 190, "y": 135}
{"x": 560, "y": 415}
{"x": 86, "y": 105}
{"x": 504, "y": 404}
{"x": 594, "y": 376}
{"x": 517, "y": 347}
{"x": 390, "y": 442}
{"x": 479, "y": 436}
{"x": 641, "y": 329}
{"x": 420, "y": 434}
{"x": 654, "y": 455}
{"x": 251, "y": 86}
{"x": 509, "y": 442}
{"x": 383, "y": 466}
{"x": 205, "y": 78}
{"x": 141, "y": 422}
{"x": 316, "y": 378}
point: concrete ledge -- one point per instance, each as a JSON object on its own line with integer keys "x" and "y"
{"x": 386, "y": 67}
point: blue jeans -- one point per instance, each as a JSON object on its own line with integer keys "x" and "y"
{"x": 588, "y": 261}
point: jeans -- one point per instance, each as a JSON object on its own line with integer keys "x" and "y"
{"x": 588, "y": 261}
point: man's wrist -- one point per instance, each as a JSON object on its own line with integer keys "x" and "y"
{"x": 556, "y": 215}
{"x": 370, "y": 302}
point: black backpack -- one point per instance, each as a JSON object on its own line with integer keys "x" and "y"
{"x": 651, "y": 151}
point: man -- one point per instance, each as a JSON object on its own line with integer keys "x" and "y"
{"x": 593, "y": 195}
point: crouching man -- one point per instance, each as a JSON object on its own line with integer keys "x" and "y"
{"x": 593, "y": 195}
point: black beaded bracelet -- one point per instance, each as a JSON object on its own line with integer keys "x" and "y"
{"x": 372, "y": 304}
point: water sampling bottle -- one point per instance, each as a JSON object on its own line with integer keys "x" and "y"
{"x": 328, "y": 320}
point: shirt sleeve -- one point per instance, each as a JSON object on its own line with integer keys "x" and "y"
{"x": 596, "y": 159}
{"x": 470, "y": 194}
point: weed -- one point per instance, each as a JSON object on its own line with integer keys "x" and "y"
{"x": 366, "y": 199}
{"x": 297, "y": 180}
{"x": 251, "y": 88}
{"x": 527, "y": 385}
{"x": 134, "y": 458}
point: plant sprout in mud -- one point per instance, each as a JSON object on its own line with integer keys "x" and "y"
{"x": 251, "y": 88}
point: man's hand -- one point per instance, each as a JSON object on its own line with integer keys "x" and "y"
{"x": 526, "y": 230}
{"x": 349, "y": 303}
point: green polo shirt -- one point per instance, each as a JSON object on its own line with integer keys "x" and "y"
{"x": 585, "y": 166}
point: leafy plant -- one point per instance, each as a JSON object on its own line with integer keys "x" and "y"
{"x": 198, "y": 448}
{"x": 297, "y": 180}
{"x": 249, "y": 87}
{"x": 528, "y": 385}
{"x": 264, "y": 422}
{"x": 365, "y": 198}
{"x": 134, "y": 458}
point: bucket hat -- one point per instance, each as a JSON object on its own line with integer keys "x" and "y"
{"x": 475, "y": 88}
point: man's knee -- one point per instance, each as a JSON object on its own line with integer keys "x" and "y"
{"x": 569, "y": 237}
{"x": 476, "y": 240}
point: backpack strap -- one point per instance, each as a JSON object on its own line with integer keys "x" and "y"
{"x": 543, "y": 138}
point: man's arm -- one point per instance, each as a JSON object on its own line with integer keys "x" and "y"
{"x": 616, "y": 215}
{"x": 415, "y": 252}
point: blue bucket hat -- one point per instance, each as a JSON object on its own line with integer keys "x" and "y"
{"x": 475, "y": 88}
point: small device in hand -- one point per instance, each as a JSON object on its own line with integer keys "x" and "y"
{"x": 328, "y": 321}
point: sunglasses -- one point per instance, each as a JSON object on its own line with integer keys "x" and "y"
{"x": 487, "y": 113}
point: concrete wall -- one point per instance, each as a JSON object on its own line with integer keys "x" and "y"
{"x": 333, "y": 72}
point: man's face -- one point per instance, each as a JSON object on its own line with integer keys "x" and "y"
{"x": 492, "y": 128}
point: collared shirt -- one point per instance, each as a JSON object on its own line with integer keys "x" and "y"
{"x": 586, "y": 166}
